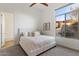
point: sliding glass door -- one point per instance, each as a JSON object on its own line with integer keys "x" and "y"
{"x": 67, "y": 23}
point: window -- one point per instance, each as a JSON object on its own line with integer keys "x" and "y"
{"x": 67, "y": 23}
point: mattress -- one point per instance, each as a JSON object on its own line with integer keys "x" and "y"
{"x": 36, "y": 45}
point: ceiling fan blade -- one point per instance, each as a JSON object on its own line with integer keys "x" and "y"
{"x": 32, "y": 4}
{"x": 44, "y": 4}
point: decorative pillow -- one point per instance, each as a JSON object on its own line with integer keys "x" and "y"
{"x": 31, "y": 34}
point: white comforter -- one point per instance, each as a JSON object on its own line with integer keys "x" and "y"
{"x": 42, "y": 40}
{"x": 36, "y": 45}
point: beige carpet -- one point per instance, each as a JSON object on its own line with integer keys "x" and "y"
{"x": 12, "y": 51}
{"x": 57, "y": 51}
{"x": 61, "y": 51}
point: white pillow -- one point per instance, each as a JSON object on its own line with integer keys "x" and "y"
{"x": 37, "y": 33}
{"x": 25, "y": 34}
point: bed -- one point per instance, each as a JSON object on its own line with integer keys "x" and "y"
{"x": 36, "y": 45}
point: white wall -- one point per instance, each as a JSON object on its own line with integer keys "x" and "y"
{"x": 29, "y": 21}
{"x": 25, "y": 21}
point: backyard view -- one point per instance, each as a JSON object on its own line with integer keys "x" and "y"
{"x": 67, "y": 25}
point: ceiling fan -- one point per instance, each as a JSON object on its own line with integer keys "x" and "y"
{"x": 45, "y": 4}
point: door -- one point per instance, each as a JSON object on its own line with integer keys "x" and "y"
{"x": 8, "y": 30}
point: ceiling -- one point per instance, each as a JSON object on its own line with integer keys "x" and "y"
{"x": 25, "y": 6}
